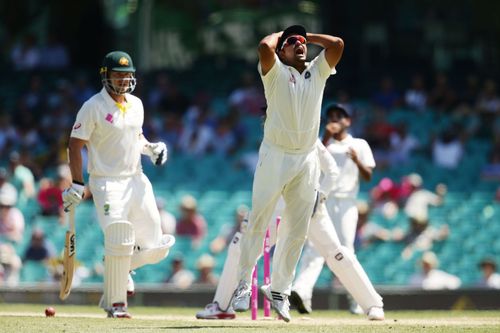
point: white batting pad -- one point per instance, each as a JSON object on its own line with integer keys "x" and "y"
{"x": 347, "y": 268}
{"x": 119, "y": 243}
{"x": 228, "y": 280}
{"x": 143, "y": 257}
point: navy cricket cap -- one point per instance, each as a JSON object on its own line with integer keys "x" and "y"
{"x": 290, "y": 31}
{"x": 338, "y": 107}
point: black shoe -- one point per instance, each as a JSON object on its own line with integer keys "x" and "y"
{"x": 297, "y": 302}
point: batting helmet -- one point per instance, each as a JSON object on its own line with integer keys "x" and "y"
{"x": 118, "y": 61}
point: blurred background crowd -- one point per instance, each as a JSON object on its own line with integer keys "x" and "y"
{"x": 423, "y": 89}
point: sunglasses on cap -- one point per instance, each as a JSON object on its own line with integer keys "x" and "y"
{"x": 292, "y": 40}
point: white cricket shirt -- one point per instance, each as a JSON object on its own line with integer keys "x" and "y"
{"x": 348, "y": 179}
{"x": 294, "y": 103}
{"x": 113, "y": 135}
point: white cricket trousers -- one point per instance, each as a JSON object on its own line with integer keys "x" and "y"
{"x": 295, "y": 177}
{"x": 341, "y": 261}
{"x": 128, "y": 199}
{"x": 343, "y": 213}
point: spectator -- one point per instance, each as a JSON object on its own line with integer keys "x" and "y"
{"x": 39, "y": 248}
{"x": 431, "y": 278}
{"x": 442, "y": 97}
{"x": 10, "y": 265}
{"x": 491, "y": 170}
{"x": 420, "y": 236}
{"x": 228, "y": 230}
{"x": 378, "y": 134}
{"x": 5, "y": 185}
{"x": 490, "y": 278}
{"x": 402, "y": 144}
{"x": 448, "y": 149}
{"x": 409, "y": 184}
{"x": 7, "y": 132}
{"x": 205, "y": 265}
{"x": 386, "y": 97}
{"x": 417, "y": 205}
{"x": 54, "y": 54}
{"x": 180, "y": 277}
{"x": 22, "y": 179}
{"x": 50, "y": 196}
{"x": 11, "y": 218}
{"x": 167, "y": 219}
{"x": 223, "y": 140}
{"x": 248, "y": 98}
{"x": 385, "y": 192}
{"x": 25, "y": 55}
{"x": 197, "y": 133}
{"x": 416, "y": 95}
{"x": 191, "y": 223}
{"x": 488, "y": 100}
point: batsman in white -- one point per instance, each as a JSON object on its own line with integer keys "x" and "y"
{"x": 109, "y": 124}
{"x": 331, "y": 242}
{"x": 220, "y": 308}
{"x": 288, "y": 163}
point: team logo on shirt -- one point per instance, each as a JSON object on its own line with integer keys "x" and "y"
{"x": 109, "y": 118}
{"x": 308, "y": 75}
{"x": 77, "y": 126}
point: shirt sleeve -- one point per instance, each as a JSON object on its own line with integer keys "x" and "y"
{"x": 323, "y": 67}
{"x": 84, "y": 124}
{"x": 328, "y": 167}
{"x": 367, "y": 155}
{"x": 270, "y": 78}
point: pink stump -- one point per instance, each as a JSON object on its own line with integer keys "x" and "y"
{"x": 254, "y": 301}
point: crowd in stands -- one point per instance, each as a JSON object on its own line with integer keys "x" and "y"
{"x": 34, "y": 129}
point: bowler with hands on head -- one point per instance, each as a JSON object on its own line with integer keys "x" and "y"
{"x": 109, "y": 124}
{"x": 288, "y": 163}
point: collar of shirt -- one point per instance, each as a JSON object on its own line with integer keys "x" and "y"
{"x": 110, "y": 102}
{"x": 347, "y": 140}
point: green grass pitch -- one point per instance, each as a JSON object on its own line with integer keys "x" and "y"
{"x": 21, "y": 318}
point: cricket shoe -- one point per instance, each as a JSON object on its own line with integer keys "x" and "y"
{"x": 355, "y": 309}
{"x": 118, "y": 310}
{"x": 376, "y": 313}
{"x": 302, "y": 305}
{"x": 130, "y": 284}
{"x": 278, "y": 301}
{"x": 213, "y": 311}
{"x": 241, "y": 297}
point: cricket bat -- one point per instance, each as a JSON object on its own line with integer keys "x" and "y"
{"x": 69, "y": 257}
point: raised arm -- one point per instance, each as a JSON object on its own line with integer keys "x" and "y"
{"x": 334, "y": 46}
{"x": 266, "y": 50}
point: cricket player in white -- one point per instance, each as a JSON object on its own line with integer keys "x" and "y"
{"x": 354, "y": 159}
{"x": 323, "y": 237}
{"x": 288, "y": 161}
{"x": 220, "y": 308}
{"x": 109, "y": 124}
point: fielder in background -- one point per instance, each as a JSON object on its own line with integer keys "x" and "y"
{"x": 355, "y": 160}
{"x": 109, "y": 124}
{"x": 288, "y": 163}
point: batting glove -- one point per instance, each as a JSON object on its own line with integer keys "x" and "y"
{"x": 157, "y": 152}
{"x": 72, "y": 196}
